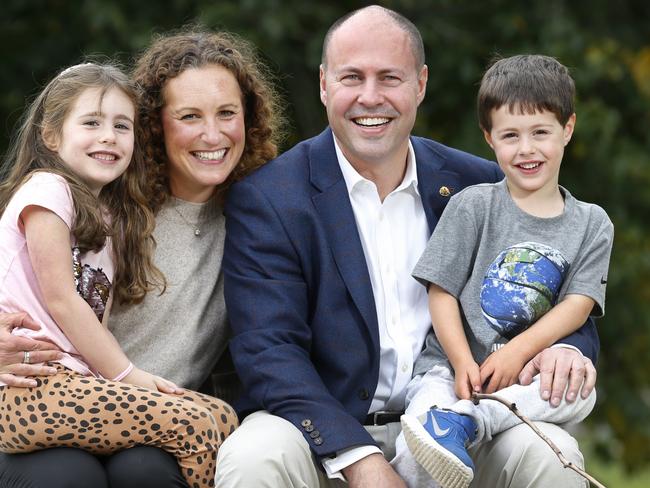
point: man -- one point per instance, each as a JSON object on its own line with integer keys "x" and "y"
{"x": 327, "y": 320}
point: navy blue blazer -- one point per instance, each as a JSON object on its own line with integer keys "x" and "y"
{"x": 305, "y": 335}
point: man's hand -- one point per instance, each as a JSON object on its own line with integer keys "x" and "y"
{"x": 12, "y": 352}
{"x": 372, "y": 472}
{"x": 558, "y": 366}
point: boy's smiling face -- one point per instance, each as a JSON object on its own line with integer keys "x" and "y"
{"x": 529, "y": 148}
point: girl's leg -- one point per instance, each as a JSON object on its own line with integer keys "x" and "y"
{"x": 102, "y": 417}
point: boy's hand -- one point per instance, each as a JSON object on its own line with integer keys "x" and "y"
{"x": 501, "y": 368}
{"x": 467, "y": 380}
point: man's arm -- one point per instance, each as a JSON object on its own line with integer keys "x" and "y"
{"x": 13, "y": 371}
{"x": 272, "y": 313}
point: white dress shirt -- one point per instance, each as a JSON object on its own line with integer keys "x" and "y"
{"x": 393, "y": 234}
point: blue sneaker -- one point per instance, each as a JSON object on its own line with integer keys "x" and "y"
{"x": 438, "y": 441}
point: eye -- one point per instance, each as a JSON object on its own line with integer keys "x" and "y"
{"x": 226, "y": 114}
{"x": 189, "y": 117}
{"x": 391, "y": 80}
{"x": 122, "y": 126}
{"x": 508, "y": 135}
{"x": 541, "y": 132}
{"x": 91, "y": 123}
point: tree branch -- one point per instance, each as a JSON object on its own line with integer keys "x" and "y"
{"x": 476, "y": 397}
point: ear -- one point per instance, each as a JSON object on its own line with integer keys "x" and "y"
{"x": 568, "y": 128}
{"x": 423, "y": 76}
{"x": 322, "y": 84}
{"x": 50, "y": 138}
{"x": 488, "y": 138}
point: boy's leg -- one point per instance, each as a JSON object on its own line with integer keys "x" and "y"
{"x": 103, "y": 417}
{"x": 434, "y": 388}
{"x": 492, "y": 417}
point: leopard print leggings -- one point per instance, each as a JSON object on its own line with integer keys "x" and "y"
{"x": 101, "y": 416}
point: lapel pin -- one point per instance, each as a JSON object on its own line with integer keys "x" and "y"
{"x": 444, "y": 191}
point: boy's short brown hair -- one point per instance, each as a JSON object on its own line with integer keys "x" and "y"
{"x": 528, "y": 83}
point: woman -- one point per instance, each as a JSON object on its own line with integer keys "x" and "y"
{"x": 209, "y": 117}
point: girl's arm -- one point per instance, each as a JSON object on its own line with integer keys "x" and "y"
{"x": 448, "y": 326}
{"x": 48, "y": 243}
{"x": 502, "y": 367}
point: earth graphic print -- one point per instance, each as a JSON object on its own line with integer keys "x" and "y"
{"x": 521, "y": 285}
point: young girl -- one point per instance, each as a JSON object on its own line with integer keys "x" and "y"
{"x": 75, "y": 232}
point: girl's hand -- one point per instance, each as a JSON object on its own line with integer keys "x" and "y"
{"x": 152, "y": 382}
{"x": 467, "y": 380}
{"x": 501, "y": 369}
{"x": 166, "y": 386}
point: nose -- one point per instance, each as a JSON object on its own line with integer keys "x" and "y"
{"x": 211, "y": 132}
{"x": 370, "y": 93}
{"x": 526, "y": 145}
{"x": 107, "y": 135}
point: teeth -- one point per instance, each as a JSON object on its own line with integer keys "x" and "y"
{"x": 529, "y": 165}
{"x": 371, "y": 121}
{"x": 104, "y": 156}
{"x": 210, "y": 155}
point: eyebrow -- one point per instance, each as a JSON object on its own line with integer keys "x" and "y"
{"x": 100, "y": 114}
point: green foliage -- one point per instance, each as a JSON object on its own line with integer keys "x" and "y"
{"x": 607, "y": 45}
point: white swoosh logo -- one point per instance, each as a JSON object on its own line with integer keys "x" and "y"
{"x": 436, "y": 428}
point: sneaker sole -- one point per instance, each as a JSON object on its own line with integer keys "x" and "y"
{"x": 445, "y": 468}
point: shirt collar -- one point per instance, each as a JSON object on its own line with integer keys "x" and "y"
{"x": 353, "y": 178}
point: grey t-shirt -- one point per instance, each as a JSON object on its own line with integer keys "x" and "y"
{"x": 507, "y": 267}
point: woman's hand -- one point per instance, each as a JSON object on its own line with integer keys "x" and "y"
{"x": 13, "y": 368}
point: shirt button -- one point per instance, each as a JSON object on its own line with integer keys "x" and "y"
{"x": 305, "y": 423}
{"x": 405, "y": 367}
{"x": 394, "y": 320}
{"x": 309, "y": 428}
{"x": 318, "y": 441}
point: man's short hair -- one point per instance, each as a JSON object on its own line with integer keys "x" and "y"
{"x": 415, "y": 39}
{"x": 528, "y": 83}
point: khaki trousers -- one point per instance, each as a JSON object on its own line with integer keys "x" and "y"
{"x": 267, "y": 451}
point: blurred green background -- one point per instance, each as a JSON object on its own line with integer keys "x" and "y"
{"x": 606, "y": 44}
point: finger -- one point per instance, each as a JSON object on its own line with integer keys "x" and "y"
{"x": 486, "y": 370}
{"x": 475, "y": 380}
{"x": 590, "y": 378}
{"x": 560, "y": 378}
{"x": 576, "y": 378}
{"x": 528, "y": 372}
{"x": 17, "y": 381}
{"x": 36, "y": 357}
{"x": 20, "y": 344}
{"x": 19, "y": 319}
{"x": 493, "y": 385}
{"x": 21, "y": 369}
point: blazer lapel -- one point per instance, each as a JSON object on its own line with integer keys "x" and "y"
{"x": 335, "y": 210}
{"x": 436, "y": 184}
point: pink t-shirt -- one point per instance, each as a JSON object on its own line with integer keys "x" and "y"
{"x": 19, "y": 288}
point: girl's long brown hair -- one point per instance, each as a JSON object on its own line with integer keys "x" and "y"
{"x": 131, "y": 221}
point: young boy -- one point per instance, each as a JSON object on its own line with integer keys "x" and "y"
{"x": 527, "y": 262}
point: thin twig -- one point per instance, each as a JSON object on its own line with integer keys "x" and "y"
{"x": 476, "y": 397}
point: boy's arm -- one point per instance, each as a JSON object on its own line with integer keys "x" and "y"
{"x": 448, "y": 326}
{"x": 503, "y": 367}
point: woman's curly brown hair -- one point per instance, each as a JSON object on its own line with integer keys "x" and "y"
{"x": 170, "y": 55}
